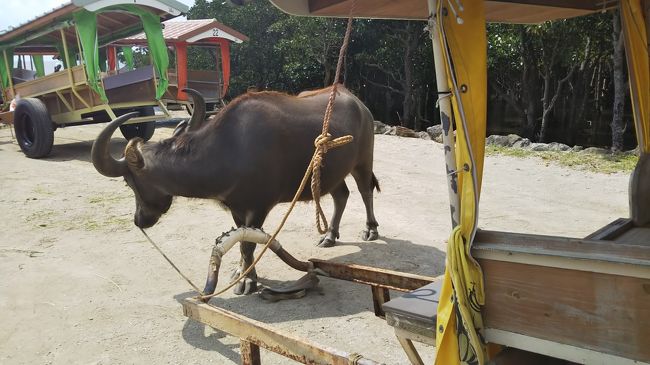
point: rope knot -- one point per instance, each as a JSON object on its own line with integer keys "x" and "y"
{"x": 322, "y": 142}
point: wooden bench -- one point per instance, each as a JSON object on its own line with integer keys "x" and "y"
{"x": 413, "y": 316}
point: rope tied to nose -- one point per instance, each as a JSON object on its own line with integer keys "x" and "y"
{"x": 324, "y": 141}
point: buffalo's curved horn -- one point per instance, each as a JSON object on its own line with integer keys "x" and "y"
{"x": 104, "y": 163}
{"x": 180, "y": 128}
{"x": 198, "y": 114}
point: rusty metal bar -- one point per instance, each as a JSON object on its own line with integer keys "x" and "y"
{"x": 379, "y": 297}
{"x": 387, "y": 279}
{"x": 250, "y": 353}
{"x": 290, "y": 260}
{"x": 264, "y": 336}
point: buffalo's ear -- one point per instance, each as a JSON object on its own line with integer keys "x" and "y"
{"x": 133, "y": 154}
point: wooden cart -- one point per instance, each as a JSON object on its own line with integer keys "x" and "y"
{"x": 79, "y": 92}
{"x": 208, "y": 34}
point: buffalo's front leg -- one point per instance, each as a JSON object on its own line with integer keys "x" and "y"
{"x": 248, "y": 284}
{"x": 340, "y": 196}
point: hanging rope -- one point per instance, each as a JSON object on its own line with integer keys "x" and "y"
{"x": 196, "y": 288}
{"x": 324, "y": 141}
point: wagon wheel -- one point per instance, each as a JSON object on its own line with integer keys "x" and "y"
{"x": 33, "y": 126}
{"x": 143, "y": 130}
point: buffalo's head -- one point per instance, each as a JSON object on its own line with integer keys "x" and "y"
{"x": 150, "y": 199}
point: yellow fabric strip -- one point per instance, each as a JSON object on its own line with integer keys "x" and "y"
{"x": 636, "y": 50}
{"x": 459, "y": 322}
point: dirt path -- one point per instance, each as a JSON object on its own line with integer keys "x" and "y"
{"x": 80, "y": 285}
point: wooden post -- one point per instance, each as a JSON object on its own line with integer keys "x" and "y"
{"x": 111, "y": 55}
{"x": 181, "y": 68}
{"x": 250, "y": 353}
{"x": 379, "y": 297}
{"x": 225, "y": 65}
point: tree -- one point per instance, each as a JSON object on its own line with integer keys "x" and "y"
{"x": 392, "y": 65}
{"x": 310, "y": 47}
{"x": 550, "y": 74}
{"x": 618, "y": 70}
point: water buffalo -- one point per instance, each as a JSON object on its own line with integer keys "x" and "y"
{"x": 249, "y": 157}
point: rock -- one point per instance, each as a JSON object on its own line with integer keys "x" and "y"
{"x": 512, "y": 139}
{"x": 405, "y": 132}
{"x": 577, "y": 148}
{"x": 380, "y": 128}
{"x": 390, "y": 131}
{"x": 538, "y": 147}
{"x": 496, "y": 140}
{"x": 555, "y": 146}
{"x": 424, "y": 135}
{"x": 503, "y": 141}
{"x": 634, "y": 152}
{"x": 435, "y": 132}
{"x": 522, "y": 143}
{"x": 595, "y": 151}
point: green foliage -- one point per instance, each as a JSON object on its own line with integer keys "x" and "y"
{"x": 527, "y": 63}
{"x": 293, "y": 54}
{"x": 390, "y": 67}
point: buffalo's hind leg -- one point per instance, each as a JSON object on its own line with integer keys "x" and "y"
{"x": 366, "y": 183}
{"x": 340, "y": 196}
{"x": 248, "y": 284}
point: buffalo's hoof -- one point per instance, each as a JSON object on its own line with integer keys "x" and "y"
{"x": 370, "y": 235}
{"x": 246, "y": 286}
{"x": 326, "y": 242}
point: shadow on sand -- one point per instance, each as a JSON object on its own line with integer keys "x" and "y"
{"x": 332, "y": 298}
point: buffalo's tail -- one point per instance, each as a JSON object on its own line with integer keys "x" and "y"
{"x": 375, "y": 182}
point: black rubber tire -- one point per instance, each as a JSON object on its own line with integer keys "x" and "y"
{"x": 33, "y": 127}
{"x": 143, "y": 130}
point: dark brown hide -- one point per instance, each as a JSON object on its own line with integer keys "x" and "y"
{"x": 252, "y": 156}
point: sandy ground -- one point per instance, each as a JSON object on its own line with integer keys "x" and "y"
{"x": 80, "y": 285}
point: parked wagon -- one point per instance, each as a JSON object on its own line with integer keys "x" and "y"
{"x": 81, "y": 91}
{"x": 206, "y": 37}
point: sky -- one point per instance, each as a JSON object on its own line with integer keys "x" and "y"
{"x": 15, "y": 12}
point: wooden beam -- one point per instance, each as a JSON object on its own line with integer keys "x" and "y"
{"x": 250, "y": 353}
{"x": 612, "y": 230}
{"x": 379, "y": 297}
{"x": 599, "y": 312}
{"x": 562, "y": 247}
{"x": 566, "y": 4}
{"x": 382, "y": 278}
{"x": 264, "y": 336}
{"x": 558, "y": 351}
